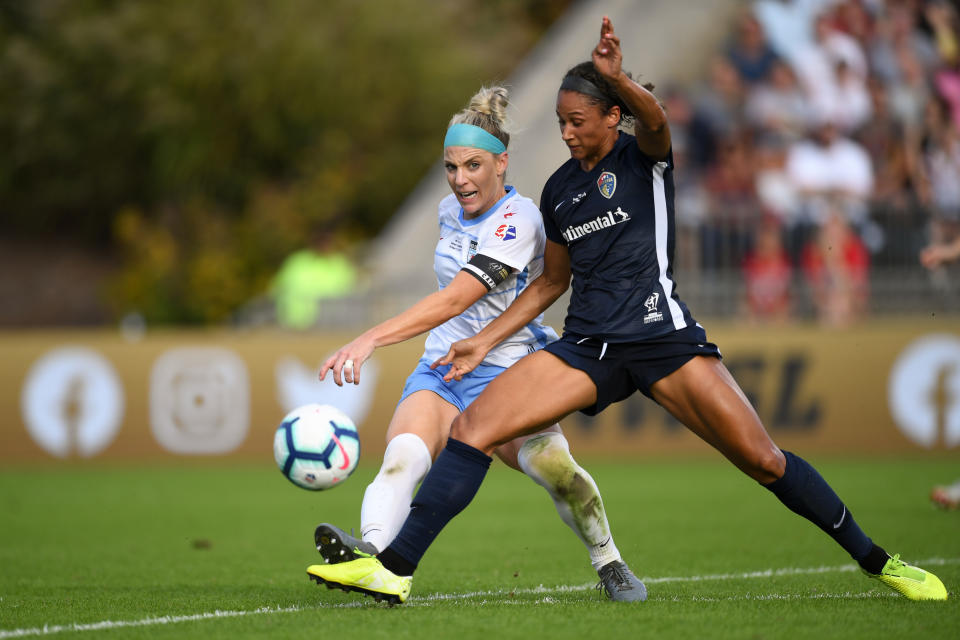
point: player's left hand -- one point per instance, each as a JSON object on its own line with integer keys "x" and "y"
{"x": 607, "y": 57}
{"x": 463, "y": 356}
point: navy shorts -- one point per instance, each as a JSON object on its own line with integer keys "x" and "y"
{"x": 620, "y": 368}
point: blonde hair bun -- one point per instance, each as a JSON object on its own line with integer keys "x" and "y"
{"x": 488, "y": 110}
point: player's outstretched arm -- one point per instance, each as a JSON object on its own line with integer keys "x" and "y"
{"x": 652, "y": 130}
{"x": 465, "y": 355}
{"x": 428, "y": 313}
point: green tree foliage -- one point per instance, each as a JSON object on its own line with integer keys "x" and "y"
{"x": 202, "y": 142}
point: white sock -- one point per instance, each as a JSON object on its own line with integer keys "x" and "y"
{"x": 546, "y": 459}
{"x": 386, "y": 502}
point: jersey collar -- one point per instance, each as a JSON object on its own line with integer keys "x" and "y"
{"x": 511, "y": 191}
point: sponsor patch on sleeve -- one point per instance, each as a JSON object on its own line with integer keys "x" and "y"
{"x": 506, "y": 232}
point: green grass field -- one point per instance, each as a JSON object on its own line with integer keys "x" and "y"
{"x": 219, "y": 551}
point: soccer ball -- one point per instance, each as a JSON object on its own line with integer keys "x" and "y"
{"x": 316, "y": 446}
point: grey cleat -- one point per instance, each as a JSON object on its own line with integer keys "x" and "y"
{"x": 336, "y": 545}
{"x": 619, "y": 583}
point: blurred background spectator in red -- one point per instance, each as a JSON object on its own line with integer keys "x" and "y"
{"x": 836, "y": 266}
{"x": 768, "y": 276}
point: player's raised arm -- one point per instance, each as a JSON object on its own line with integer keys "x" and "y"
{"x": 652, "y": 130}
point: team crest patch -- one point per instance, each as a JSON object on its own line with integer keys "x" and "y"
{"x": 506, "y": 232}
{"x": 651, "y": 304}
{"x": 472, "y": 251}
{"x": 607, "y": 184}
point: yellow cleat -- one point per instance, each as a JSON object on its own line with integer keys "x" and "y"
{"x": 364, "y": 575}
{"x": 913, "y": 582}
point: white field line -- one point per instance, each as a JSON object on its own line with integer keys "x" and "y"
{"x": 483, "y": 596}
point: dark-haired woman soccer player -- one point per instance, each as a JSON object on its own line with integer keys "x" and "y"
{"x": 608, "y": 213}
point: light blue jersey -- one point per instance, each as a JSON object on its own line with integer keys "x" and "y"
{"x": 511, "y": 232}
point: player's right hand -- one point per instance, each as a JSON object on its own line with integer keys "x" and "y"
{"x": 463, "y": 356}
{"x": 607, "y": 57}
{"x": 347, "y": 361}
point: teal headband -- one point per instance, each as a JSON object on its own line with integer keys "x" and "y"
{"x": 468, "y": 135}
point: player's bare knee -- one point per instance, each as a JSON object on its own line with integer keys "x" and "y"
{"x": 469, "y": 431}
{"x": 766, "y": 465}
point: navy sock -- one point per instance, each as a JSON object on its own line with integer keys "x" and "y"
{"x": 446, "y": 491}
{"x": 806, "y": 493}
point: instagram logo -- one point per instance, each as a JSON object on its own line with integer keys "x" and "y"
{"x": 199, "y": 400}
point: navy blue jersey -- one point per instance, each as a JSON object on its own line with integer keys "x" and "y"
{"x": 617, "y": 223}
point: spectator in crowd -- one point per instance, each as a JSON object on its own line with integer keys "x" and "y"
{"x": 837, "y": 44}
{"x": 749, "y": 53}
{"x": 853, "y": 17}
{"x": 827, "y": 170}
{"x": 852, "y": 106}
{"x": 836, "y": 266}
{"x": 768, "y": 276}
{"x": 910, "y": 91}
{"x": 308, "y": 277}
{"x": 948, "y": 86}
{"x": 788, "y": 24}
{"x": 832, "y": 69}
{"x": 717, "y": 111}
{"x": 939, "y": 166}
{"x": 897, "y": 30}
{"x": 945, "y": 24}
{"x": 732, "y": 203}
{"x": 777, "y": 105}
{"x": 776, "y": 194}
{"x": 884, "y": 137}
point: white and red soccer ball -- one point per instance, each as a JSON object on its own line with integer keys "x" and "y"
{"x": 316, "y": 446}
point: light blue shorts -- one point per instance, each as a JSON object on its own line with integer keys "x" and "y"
{"x": 458, "y": 393}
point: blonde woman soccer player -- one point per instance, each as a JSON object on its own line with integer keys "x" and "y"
{"x": 490, "y": 248}
{"x": 609, "y": 222}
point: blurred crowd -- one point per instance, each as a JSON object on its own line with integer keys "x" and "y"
{"x": 821, "y": 146}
